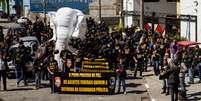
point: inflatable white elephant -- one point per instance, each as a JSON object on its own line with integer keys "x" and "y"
{"x": 65, "y": 24}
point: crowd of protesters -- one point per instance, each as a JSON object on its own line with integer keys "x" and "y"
{"x": 21, "y": 55}
{"x": 137, "y": 50}
{"x": 124, "y": 48}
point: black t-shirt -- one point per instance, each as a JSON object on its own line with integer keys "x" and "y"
{"x": 65, "y": 54}
{"x": 156, "y": 56}
{"x": 139, "y": 56}
{"x": 53, "y": 66}
{"x": 37, "y": 65}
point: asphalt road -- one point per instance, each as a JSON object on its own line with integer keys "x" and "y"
{"x": 136, "y": 91}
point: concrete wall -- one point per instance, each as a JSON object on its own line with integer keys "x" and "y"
{"x": 159, "y": 7}
{"x": 108, "y": 8}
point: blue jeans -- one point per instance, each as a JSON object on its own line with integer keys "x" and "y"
{"x": 121, "y": 82}
{"x": 19, "y": 73}
{"x": 191, "y": 75}
{"x": 165, "y": 86}
{"x": 156, "y": 68}
{"x": 77, "y": 69}
{"x": 182, "y": 84}
{"x": 38, "y": 79}
{"x": 139, "y": 67}
{"x": 199, "y": 70}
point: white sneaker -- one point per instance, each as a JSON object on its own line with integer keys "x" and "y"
{"x": 125, "y": 92}
{"x": 18, "y": 85}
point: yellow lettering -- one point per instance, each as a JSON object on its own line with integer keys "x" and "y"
{"x": 67, "y": 89}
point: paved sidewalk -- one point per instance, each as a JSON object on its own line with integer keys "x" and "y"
{"x": 154, "y": 87}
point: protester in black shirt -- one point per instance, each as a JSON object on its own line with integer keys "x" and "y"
{"x": 52, "y": 69}
{"x": 121, "y": 75}
{"x": 156, "y": 59}
{"x": 139, "y": 59}
{"x": 2, "y": 70}
{"x": 20, "y": 64}
{"x": 37, "y": 69}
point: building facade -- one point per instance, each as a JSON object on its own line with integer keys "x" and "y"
{"x": 109, "y": 8}
{"x": 191, "y": 27}
{"x": 131, "y": 9}
{"x": 4, "y": 4}
{"x": 161, "y": 8}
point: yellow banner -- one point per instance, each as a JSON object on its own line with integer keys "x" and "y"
{"x": 95, "y": 66}
{"x": 92, "y": 71}
{"x": 91, "y": 75}
{"x": 95, "y": 63}
{"x": 84, "y": 89}
{"x": 95, "y": 59}
{"x": 85, "y": 82}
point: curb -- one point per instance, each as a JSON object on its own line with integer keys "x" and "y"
{"x": 148, "y": 89}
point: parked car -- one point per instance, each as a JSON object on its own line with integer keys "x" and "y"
{"x": 22, "y": 20}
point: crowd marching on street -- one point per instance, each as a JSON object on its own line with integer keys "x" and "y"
{"x": 128, "y": 48}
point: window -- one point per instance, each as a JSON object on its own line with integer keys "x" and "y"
{"x": 151, "y": 0}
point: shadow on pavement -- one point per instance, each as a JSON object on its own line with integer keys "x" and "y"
{"x": 1, "y": 99}
{"x": 194, "y": 94}
{"x": 133, "y": 85}
{"x": 137, "y": 91}
{"x": 20, "y": 89}
{"x": 131, "y": 77}
{"x": 146, "y": 75}
{"x": 193, "y": 99}
{"x": 45, "y": 85}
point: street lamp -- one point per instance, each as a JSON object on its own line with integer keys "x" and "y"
{"x": 45, "y": 10}
{"x": 99, "y": 10}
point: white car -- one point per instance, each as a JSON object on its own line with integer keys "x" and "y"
{"x": 22, "y": 20}
{"x": 28, "y": 41}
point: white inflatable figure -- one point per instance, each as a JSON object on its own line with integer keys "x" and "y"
{"x": 65, "y": 24}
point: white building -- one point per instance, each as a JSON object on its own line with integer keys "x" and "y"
{"x": 188, "y": 28}
{"x": 166, "y": 7}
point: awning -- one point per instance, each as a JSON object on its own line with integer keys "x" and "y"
{"x": 187, "y": 43}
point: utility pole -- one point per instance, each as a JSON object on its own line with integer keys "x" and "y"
{"x": 121, "y": 12}
{"x": 8, "y": 7}
{"x": 100, "y": 18}
{"x": 153, "y": 21}
{"x": 45, "y": 11}
{"x": 189, "y": 27}
{"x": 141, "y": 13}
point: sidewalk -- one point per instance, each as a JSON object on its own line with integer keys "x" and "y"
{"x": 154, "y": 87}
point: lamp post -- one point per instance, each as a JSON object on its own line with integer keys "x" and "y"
{"x": 45, "y": 11}
{"x": 99, "y": 5}
{"x": 121, "y": 12}
{"x": 141, "y": 13}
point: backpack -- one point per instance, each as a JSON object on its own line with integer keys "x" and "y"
{"x": 120, "y": 70}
